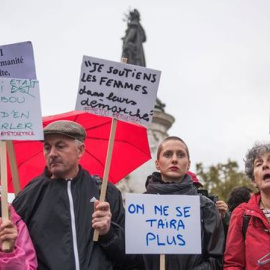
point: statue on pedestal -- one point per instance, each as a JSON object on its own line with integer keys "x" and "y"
{"x": 132, "y": 49}
{"x": 133, "y": 40}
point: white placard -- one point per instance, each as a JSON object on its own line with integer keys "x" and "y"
{"x": 20, "y": 110}
{"x": 17, "y": 61}
{"x": 162, "y": 224}
{"x": 123, "y": 91}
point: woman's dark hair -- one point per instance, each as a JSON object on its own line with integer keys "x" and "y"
{"x": 237, "y": 196}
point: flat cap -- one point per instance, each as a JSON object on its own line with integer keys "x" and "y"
{"x": 67, "y": 128}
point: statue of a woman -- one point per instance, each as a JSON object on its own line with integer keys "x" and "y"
{"x": 133, "y": 40}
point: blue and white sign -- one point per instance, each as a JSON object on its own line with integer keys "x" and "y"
{"x": 163, "y": 224}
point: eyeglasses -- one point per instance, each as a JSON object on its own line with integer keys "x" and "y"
{"x": 265, "y": 259}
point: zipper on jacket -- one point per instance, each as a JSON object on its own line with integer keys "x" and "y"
{"x": 73, "y": 226}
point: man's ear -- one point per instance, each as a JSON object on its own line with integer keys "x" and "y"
{"x": 157, "y": 165}
{"x": 81, "y": 150}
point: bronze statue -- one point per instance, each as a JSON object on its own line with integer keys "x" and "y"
{"x": 159, "y": 105}
{"x": 133, "y": 40}
{"x": 133, "y": 46}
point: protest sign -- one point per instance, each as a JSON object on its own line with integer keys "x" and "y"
{"x": 17, "y": 61}
{"x": 20, "y": 110}
{"x": 118, "y": 90}
{"x": 162, "y": 224}
{"x": 20, "y": 113}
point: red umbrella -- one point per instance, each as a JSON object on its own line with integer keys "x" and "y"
{"x": 130, "y": 150}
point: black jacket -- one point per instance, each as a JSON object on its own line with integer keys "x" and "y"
{"x": 45, "y": 205}
{"x": 212, "y": 233}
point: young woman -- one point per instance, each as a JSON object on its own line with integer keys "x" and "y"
{"x": 173, "y": 163}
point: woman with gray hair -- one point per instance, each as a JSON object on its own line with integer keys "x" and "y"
{"x": 248, "y": 242}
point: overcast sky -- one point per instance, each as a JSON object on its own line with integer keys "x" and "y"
{"x": 214, "y": 57}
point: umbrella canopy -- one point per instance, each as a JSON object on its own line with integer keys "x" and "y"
{"x": 130, "y": 150}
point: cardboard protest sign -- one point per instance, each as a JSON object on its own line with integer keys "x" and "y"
{"x": 20, "y": 114}
{"x": 20, "y": 110}
{"x": 122, "y": 91}
{"x": 17, "y": 61}
{"x": 162, "y": 224}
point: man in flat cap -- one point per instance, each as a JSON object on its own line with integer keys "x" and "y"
{"x": 61, "y": 208}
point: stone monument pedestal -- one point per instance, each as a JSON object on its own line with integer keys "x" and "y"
{"x": 135, "y": 182}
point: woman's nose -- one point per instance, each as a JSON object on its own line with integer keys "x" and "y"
{"x": 174, "y": 157}
{"x": 266, "y": 164}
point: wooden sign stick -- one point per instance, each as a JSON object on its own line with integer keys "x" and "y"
{"x": 4, "y": 200}
{"x": 107, "y": 169}
{"x": 162, "y": 262}
{"x": 107, "y": 164}
{"x": 13, "y": 167}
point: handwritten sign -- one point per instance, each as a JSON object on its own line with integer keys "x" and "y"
{"x": 163, "y": 224}
{"x": 17, "y": 61}
{"x": 125, "y": 92}
{"x": 20, "y": 113}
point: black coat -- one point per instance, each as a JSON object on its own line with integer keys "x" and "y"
{"x": 46, "y": 208}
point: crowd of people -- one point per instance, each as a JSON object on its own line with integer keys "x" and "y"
{"x": 52, "y": 221}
